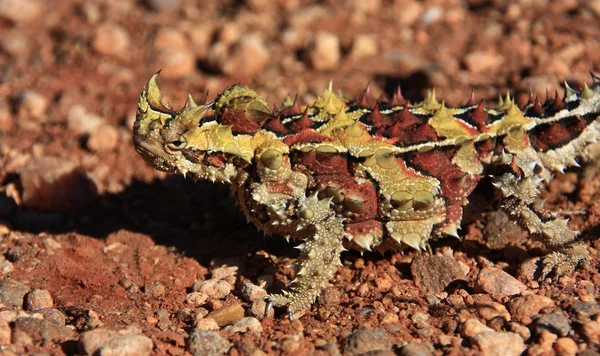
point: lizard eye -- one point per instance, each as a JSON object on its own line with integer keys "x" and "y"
{"x": 177, "y": 144}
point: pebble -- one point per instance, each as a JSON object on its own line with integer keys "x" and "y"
{"x": 258, "y": 307}
{"x": 208, "y": 343}
{"x": 524, "y": 307}
{"x": 5, "y": 332}
{"x": 364, "y": 46}
{"x": 19, "y": 11}
{"x": 227, "y": 315}
{"x": 7, "y": 122}
{"x": 38, "y": 299}
{"x": 39, "y": 330}
{"x": 170, "y": 38}
{"x": 366, "y": 341}
{"x": 213, "y": 288}
{"x": 498, "y": 283}
{"x": 196, "y": 298}
{"x": 555, "y": 323}
{"x": 591, "y": 330}
{"x": 520, "y": 329}
{"x": 33, "y": 104}
{"x": 128, "y": 341}
{"x": 499, "y": 343}
{"x": 584, "y": 311}
{"x": 483, "y": 61}
{"x": 53, "y": 315}
{"x": 491, "y": 310}
{"x": 566, "y": 346}
{"x": 12, "y": 292}
{"x": 206, "y": 324}
{"x": 164, "y": 5}
{"x": 176, "y": 63}
{"x": 110, "y": 39}
{"x": 55, "y": 184}
{"x": 82, "y": 122}
{"x": 247, "y": 57}
{"x": 417, "y": 349}
{"x": 252, "y": 292}
{"x": 594, "y": 6}
{"x": 15, "y": 43}
{"x": 431, "y": 15}
{"x": 435, "y": 273}
{"x": 324, "y": 52}
{"x": 408, "y": 13}
{"x": 246, "y": 325}
{"x": 104, "y": 138}
{"x": 472, "y": 327}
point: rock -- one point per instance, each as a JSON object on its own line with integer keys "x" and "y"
{"x": 54, "y": 184}
{"x": 38, "y": 299}
{"x": 39, "y": 330}
{"x": 170, "y": 38}
{"x": 434, "y": 273}
{"x": 584, "y": 311}
{"x": 591, "y": 330}
{"x": 252, "y": 292}
{"x": 594, "y": 6}
{"x": 12, "y": 292}
{"x": 498, "y": 283}
{"x": 364, "y": 46}
{"x": 213, "y": 288}
{"x": 417, "y": 349}
{"x": 208, "y": 343}
{"x": 491, "y": 310}
{"x": 196, "y": 299}
{"x": 80, "y": 121}
{"x": 164, "y": 5}
{"x": 19, "y": 11}
{"x": 154, "y": 290}
{"x": 227, "y": 315}
{"x": 248, "y": 56}
{"x": 33, "y": 104}
{"x": 207, "y": 324}
{"x": 110, "y": 39}
{"x": 431, "y": 15}
{"x": 245, "y": 325}
{"x": 566, "y": 346}
{"x": 524, "y": 307}
{"x": 366, "y": 341}
{"x": 324, "y": 52}
{"x": 493, "y": 343}
{"x": 330, "y": 297}
{"x": 126, "y": 341}
{"x": 407, "y": 13}
{"x": 554, "y": 323}
{"x": 483, "y": 62}
{"x": 54, "y": 315}
{"x": 5, "y": 332}
{"x": 176, "y": 62}
{"x": 15, "y": 43}
{"x": 104, "y": 138}
{"x": 472, "y": 327}
{"x": 258, "y": 308}
{"x": 7, "y": 122}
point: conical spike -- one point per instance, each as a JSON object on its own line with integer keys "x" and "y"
{"x": 154, "y": 95}
{"x": 397, "y": 98}
{"x": 557, "y": 104}
{"x": 190, "y": 103}
{"x": 569, "y": 92}
{"x": 472, "y": 101}
{"x": 586, "y": 93}
{"x": 595, "y": 79}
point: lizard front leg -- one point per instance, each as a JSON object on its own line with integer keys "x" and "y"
{"x": 323, "y": 233}
{"x": 520, "y": 203}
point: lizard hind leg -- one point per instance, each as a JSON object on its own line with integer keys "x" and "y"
{"x": 319, "y": 255}
{"x": 520, "y": 203}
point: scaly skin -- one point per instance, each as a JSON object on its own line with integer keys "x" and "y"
{"x": 367, "y": 174}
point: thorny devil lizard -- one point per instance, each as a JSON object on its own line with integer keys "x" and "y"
{"x": 373, "y": 174}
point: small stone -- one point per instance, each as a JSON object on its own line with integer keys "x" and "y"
{"x": 39, "y": 330}
{"x": 389, "y": 318}
{"x": 258, "y": 309}
{"x": 5, "y": 332}
{"x": 417, "y": 349}
{"x": 566, "y": 346}
{"x": 498, "y": 283}
{"x": 164, "y": 5}
{"x": 520, "y": 329}
{"x": 527, "y": 306}
{"x": 110, "y": 39}
{"x": 324, "y": 52}
{"x": 330, "y": 297}
{"x": 53, "y": 315}
{"x": 7, "y": 122}
{"x": 245, "y": 325}
{"x": 104, "y": 138}
{"x": 483, "y": 62}
{"x": 207, "y": 324}
{"x": 584, "y": 311}
{"x": 434, "y": 273}
{"x": 594, "y": 6}
{"x": 33, "y": 104}
{"x": 15, "y": 43}
{"x": 213, "y": 288}
{"x": 491, "y": 310}
{"x": 366, "y": 341}
{"x": 154, "y": 290}
{"x": 494, "y": 343}
{"x": 208, "y": 343}
{"x": 364, "y": 46}
{"x": 431, "y": 15}
{"x": 127, "y": 342}
{"x": 12, "y": 292}
{"x": 248, "y": 56}
{"x": 38, "y": 299}
{"x": 591, "y": 330}
{"x": 473, "y": 327}
{"x": 19, "y": 11}
{"x": 196, "y": 298}
{"x": 554, "y": 323}
{"x": 176, "y": 62}
{"x": 252, "y": 292}
{"x": 227, "y": 315}
{"x": 407, "y": 13}
{"x": 80, "y": 121}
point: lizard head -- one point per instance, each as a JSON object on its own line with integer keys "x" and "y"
{"x": 185, "y": 141}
